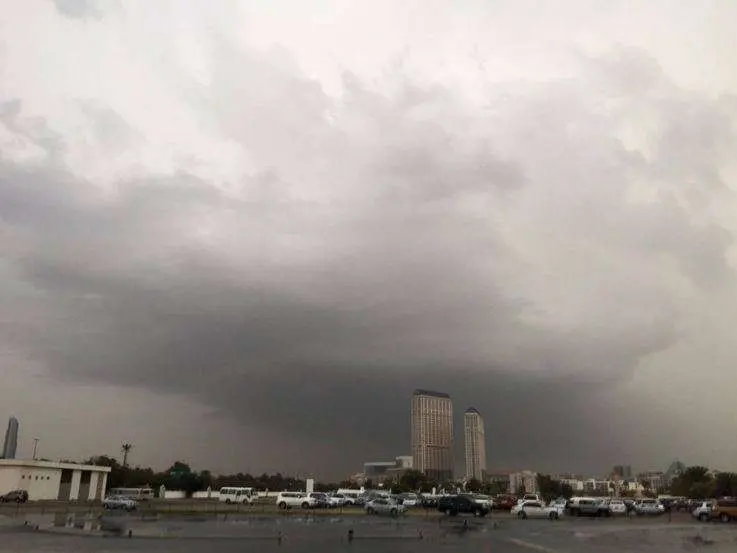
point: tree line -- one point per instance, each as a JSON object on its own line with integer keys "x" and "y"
{"x": 699, "y": 482}
{"x": 695, "y": 482}
{"x": 180, "y": 476}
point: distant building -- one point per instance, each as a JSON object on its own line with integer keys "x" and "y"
{"x": 432, "y": 434}
{"x": 499, "y": 478}
{"x": 475, "y": 444}
{"x": 523, "y": 482}
{"x": 377, "y": 469}
{"x": 675, "y": 469}
{"x": 11, "y": 439}
{"x": 405, "y": 462}
{"x": 652, "y": 480}
{"x": 622, "y": 472}
{"x": 384, "y": 471}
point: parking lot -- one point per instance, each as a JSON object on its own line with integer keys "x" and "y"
{"x": 80, "y": 533}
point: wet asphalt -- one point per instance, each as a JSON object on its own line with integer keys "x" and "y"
{"x": 325, "y": 534}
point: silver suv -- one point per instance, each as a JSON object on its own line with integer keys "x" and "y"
{"x": 287, "y": 500}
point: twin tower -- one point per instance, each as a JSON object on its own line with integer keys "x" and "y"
{"x": 432, "y": 437}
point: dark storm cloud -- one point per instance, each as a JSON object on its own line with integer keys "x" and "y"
{"x": 392, "y": 241}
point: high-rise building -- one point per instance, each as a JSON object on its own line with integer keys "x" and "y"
{"x": 475, "y": 444}
{"x": 432, "y": 434}
{"x": 11, "y": 439}
{"x": 622, "y": 471}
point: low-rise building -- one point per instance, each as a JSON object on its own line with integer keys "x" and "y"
{"x": 53, "y": 480}
{"x": 523, "y": 482}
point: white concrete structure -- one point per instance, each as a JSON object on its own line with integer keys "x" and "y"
{"x": 475, "y": 444}
{"x": 51, "y": 480}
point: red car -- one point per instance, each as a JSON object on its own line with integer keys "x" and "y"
{"x": 505, "y": 502}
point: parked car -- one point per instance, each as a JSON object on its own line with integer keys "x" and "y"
{"x": 505, "y": 502}
{"x": 119, "y": 502}
{"x": 335, "y": 501}
{"x": 617, "y": 507}
{"x": 530, "y": 497}
{"x": 703, "y": 511}
{"x": 588, "y": 506}
{"x": 454, "y": 504}
{"x": 384, "y": 506}
{"x": 410, "y": 499}
{"x": 485, "y": 499}
{"x": 535, "y": 509}
{"x": 287, "y": 500}
{"x": 559, "y": 506}
{"x": 724, "y": 509}
{"x": 648, "y": 506}
{"x": 429, "y": 501}
{"x": 321, "y": 500}
{"x": 16, "y": 496}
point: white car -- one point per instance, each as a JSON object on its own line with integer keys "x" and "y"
{"x": 702, "y": 511}
{"x": 617, "y": 507}
{"x": 384, "y": 506}
{"x": 535, "y": 509}
{"x": 559, "y": 506}
{"x": 336, "y": 500}
{"x": 530, "y": 497}
{"x": 410, "y": 499}
{"x": 287, "y": 500}
{"x": 649, "y": 507}
{"x": 119, "y": 502}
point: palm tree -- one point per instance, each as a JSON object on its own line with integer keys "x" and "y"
{"x": 125, "y": 448}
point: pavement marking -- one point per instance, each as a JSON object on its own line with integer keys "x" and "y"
{"x": 530, "y": 545}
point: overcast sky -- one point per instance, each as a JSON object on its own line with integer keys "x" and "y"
{"x": 241, "y": 233}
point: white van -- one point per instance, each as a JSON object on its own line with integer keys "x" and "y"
{"x": 237, "y": 495}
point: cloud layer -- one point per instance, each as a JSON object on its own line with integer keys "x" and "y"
{"x": 297, "y": 254}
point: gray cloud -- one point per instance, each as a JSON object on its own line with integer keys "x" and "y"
{"x": 80, "y": 9}
{"x": 386, "y": 240}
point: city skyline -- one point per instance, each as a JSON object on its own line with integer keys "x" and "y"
{"x": 276, "y": 227}
{"x": 474, "y": 444}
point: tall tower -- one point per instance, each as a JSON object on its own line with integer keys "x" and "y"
{"x": 432, "y": 434}
{"x": 475, "y": 444}
{"x": 11, "y": 439}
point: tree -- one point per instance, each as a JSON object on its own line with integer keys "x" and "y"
{"x": 116, "y": 477}
{"x": 550, "y": 488}
{"x": 695, "y": 482}
{"x": 495, "y": 487}
{"x": 126, "y": 448}
{"x": 725, "y": 484}
{"x": 474, "y": 485}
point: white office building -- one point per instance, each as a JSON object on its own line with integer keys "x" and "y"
{"x": 52, "y": 480}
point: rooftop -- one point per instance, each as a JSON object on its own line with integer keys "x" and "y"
{"x": 430, "y": 393}
{"x": 50, "y": 465}
{"x": 472, "y": 410}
